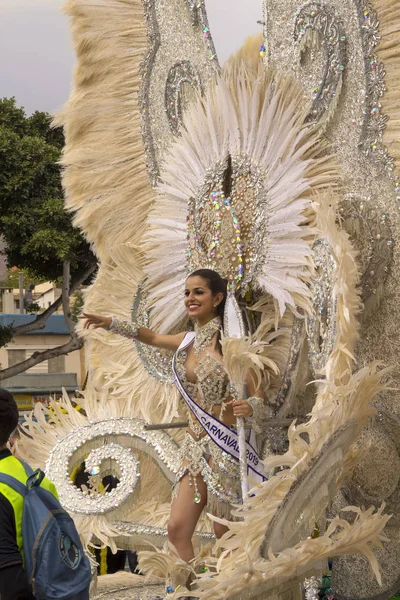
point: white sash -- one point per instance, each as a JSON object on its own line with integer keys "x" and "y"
{"x": 222, "y": 435}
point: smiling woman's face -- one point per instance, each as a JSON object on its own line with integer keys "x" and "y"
{"x": 200, "y": 303}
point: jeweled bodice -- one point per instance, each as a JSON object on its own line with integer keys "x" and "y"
{"x": 212, "y": 385}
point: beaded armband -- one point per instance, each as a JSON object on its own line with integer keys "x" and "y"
{"x": 128, "y": 329}
{"x": 259, "y": 413}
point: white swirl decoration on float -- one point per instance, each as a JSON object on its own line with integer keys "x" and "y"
{"x": 116, "y": 457}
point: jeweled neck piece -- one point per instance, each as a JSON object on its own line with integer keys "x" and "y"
{"x": 205, "y": 334}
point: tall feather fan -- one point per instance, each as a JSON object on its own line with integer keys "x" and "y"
{"x": 240, "y": 564}
{"x": 235, "y": 188}
{"x": 104, "y": 160}
{"x": 110, "y": 194}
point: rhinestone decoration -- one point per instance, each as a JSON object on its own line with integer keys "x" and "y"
{"x": 233, "y": 317}
{"x": 126, "y": 463}
{"x": 204, "y": 335}
{"x": 374, "y": 122}
{"x": 360, "y": 63}
{"x": 125, "y": 328}
{"x": 231, "y": 226}
{"x": 194, "y": 8}
{"x": 147, "y": 68}
{"x": 363, "y": 214}
{"x": 296, "y": 342}
{"x": 213, "y": 253}
{"x": 311, "y": 588}
{"x": 136, "y": 529}
{"x": 199, "y": 18}
{"x": 274, "y": 441}
{"x": 316, "y": 22}
{"x": 181, "y": 74}
{"x": 158, "y": 363}
{"x": 223, "y": 483}
{"x": 321, "y": 329}
{"x": 178, "y": 32}
{"x": 69, "y": 452}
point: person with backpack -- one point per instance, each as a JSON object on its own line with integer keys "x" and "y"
{"x": 41, "y": 556}
{"x": 13, "y": 580}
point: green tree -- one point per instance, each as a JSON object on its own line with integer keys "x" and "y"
{"x": 38, "y": 232}
{"x": 39, "y": 236}
{"x": 11, "y": 279}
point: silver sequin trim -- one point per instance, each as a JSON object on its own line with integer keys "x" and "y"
{"x": 315, "y": 22}
{"x": 126, "y": 435}
{"x": 321, "y": 328}
{"x": 158, "y": 363}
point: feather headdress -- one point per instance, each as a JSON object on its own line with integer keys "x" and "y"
{"x": 235, "y": 188}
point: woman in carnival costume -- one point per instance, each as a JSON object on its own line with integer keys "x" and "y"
{"x": 209, "y": 474}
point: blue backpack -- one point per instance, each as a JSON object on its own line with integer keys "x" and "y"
{"x": 55, "y": 563}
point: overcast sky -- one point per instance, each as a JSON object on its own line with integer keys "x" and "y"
{"x": 36, "y": 56}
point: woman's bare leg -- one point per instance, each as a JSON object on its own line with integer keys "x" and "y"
{"x": 219, "y": 529}
{"x": 184, "y": 516}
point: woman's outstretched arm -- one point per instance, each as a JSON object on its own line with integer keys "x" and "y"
{"x": 134, "y": 331}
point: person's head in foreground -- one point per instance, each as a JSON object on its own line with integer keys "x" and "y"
{"x": 9, "y": 416}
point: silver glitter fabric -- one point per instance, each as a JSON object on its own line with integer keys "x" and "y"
{"x": 371, "y": 216}
{"x": 134, "y": 531}
{"x": 180, "y": 76}
{"x": 369, "y": 226}
{"x": 321, "y": 329}
{"x": 215, "y": 221}
{"x": 157, "y": 363}
{"x": 349, "y": 47}
{"x": 289, "y": 375}
{"x": 319, "y": 22}
{"x": 126, "y": 593}
{"x": 259, "y": 413}
{"x": 221, "y": 473}
{"x": 148, "y": 590}
{"x": 127, "y": 435}
{"x": 374, "y": 121}
{"x": 180, "y": 50}
{"x": 124, "y": 328}
{"x": 311, "y": 588}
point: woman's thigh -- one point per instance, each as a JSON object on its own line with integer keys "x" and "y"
{"x": 185, "y": 512}
{"x": 219, "y": 529}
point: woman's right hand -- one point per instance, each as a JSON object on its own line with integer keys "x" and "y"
{"x": 98, "y": 321}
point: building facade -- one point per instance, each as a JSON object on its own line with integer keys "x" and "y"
{"x": 43, "y": 294}
{"x": 48, "y": 378}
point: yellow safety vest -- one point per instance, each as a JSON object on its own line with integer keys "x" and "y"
{"x": 12, "y": 466}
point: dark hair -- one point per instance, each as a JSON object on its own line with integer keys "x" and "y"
{"x": 216, "y": 284}
{"x": 9, "y": 415}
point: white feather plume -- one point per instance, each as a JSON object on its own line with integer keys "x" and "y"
{"x": 263, "y": 120}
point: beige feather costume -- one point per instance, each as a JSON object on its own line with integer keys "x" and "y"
{"x": 147, "y": 161}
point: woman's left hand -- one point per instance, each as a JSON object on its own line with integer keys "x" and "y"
{"x": 241, "y": 408}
